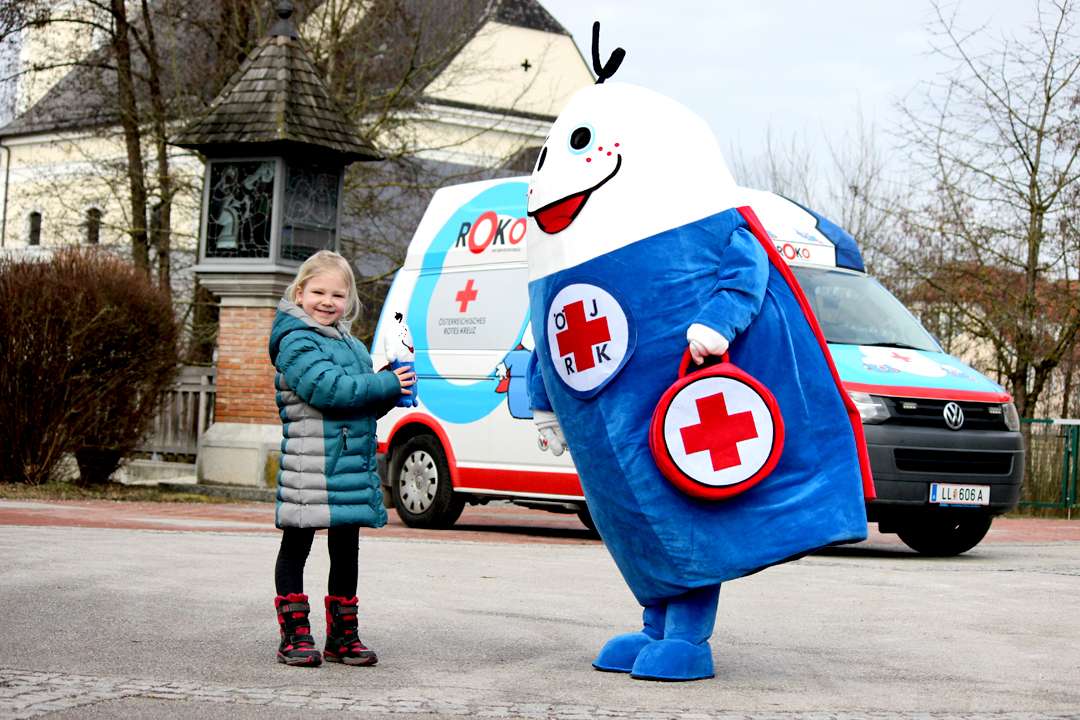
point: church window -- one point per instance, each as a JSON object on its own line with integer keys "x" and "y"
{"x": 34, "y": 235}
{"x": 93, "y": 226}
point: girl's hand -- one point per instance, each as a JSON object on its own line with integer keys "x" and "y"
{"x": 406, "y": 377}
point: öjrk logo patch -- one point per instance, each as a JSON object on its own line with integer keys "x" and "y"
{"x": 590, "y": 333}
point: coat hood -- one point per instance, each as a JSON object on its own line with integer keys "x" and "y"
{"x": 291, "y": 318}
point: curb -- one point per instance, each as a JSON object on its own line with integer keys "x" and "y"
{"x": 228, "y": 491}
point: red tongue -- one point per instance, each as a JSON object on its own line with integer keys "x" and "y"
{"x": 557, "y": 217}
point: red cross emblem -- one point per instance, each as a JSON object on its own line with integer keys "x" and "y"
{"x": 581, "y": 335}
{"x": 466, "y": 296}
{"x": 718, "y": 432}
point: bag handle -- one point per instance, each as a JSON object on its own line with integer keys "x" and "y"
{"x": 688, "y": 359}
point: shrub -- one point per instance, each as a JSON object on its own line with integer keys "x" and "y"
{"x": 89, "y": 352}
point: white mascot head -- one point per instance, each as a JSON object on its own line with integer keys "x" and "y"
{"x": 398, "y": 342}
{"x": 620, "y": 164}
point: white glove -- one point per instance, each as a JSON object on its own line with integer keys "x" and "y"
{"x": 550, "y": 430}
{"x": 705, "y": 341}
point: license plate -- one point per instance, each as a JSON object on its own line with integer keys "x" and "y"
{"x": 959, "y": 494}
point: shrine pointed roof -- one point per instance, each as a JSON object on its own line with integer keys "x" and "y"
{"x": 277, "y": 97}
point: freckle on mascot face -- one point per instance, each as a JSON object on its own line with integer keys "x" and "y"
{"x": 634, "y": 237}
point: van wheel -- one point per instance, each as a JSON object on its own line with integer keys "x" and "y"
{"x": 944, "y": 536}
{"x": 586, "y": 519}
{"x": 420, "y": 482}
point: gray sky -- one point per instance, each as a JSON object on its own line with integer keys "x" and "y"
{"x": 800, "y": 66}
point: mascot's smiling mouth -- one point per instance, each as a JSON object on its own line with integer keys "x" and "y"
{"x": 558, "y": 215}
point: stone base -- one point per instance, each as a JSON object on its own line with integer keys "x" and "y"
{"x": 150, "y": 472}
{"x": 240, "y": 454}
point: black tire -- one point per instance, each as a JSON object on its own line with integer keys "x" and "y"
{"x": 424, "y": 497}
{"x": 944, "y": 536}
{"x": 586, "y": 519}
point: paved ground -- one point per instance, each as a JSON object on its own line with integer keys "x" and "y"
{"x": 150, "y": 611}
{"x": 490, "y": 523}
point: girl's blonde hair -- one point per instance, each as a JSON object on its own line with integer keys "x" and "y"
{"x": 326, "y": 261}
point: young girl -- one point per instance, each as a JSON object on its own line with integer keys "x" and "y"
{"x": 328, "y": 398}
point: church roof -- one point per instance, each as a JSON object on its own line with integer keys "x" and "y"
{"x": 276, "y": 96}
{"x": 84, "y": 98}
{"x": 528, "y": 14}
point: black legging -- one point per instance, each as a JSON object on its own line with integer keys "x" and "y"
{"x": 343, "y": 541}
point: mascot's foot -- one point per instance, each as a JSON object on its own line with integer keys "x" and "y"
{"x": 621, "y": 651}
{"x": 673, "y": 660}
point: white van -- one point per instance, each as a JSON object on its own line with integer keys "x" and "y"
{"x": 944, "y": 443}
{"x": 944, "y": 440}
{"x": 463, "y": 291}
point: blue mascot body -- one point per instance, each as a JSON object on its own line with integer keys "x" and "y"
{"x": 635, "y": 238}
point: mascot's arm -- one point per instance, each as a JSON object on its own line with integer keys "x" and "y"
{"x": 534, "y": 385}
{"x": 737, "y": 296}
{"x": 543, "y": 415}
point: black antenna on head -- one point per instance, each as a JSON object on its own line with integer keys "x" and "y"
{"x": 605, "y": 71}
{"x": 397, "y": 316}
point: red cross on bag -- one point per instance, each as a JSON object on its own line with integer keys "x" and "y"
{"x": 716, "y": 432}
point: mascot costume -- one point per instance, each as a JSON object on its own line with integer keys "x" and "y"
{"x": 641, "y": 261}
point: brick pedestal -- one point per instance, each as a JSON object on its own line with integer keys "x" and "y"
{"x": 245, "y": 380}
{"x": 243, "y": 446}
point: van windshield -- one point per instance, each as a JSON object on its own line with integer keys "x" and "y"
{"x": 853, "y": 309}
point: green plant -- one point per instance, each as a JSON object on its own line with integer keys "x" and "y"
{"x": 90, "y": 350}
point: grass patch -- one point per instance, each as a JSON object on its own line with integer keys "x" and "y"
{"x": 1043, "y": 512}
{"x": 104, "y": 491}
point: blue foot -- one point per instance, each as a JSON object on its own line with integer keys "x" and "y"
{"x": 621, "y": 651}
{"x": 673, "y": 660}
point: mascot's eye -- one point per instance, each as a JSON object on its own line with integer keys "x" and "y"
{"x": 543, "y": 157}
{"x": 581, "y": 139}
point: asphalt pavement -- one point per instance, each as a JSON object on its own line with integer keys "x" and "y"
{"x": 124, "y": 610}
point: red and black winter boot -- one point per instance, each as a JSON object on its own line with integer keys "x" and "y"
{"x": 342, "y": 643}
{"x": 297, "y": 646}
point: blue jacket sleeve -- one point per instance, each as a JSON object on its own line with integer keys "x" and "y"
{"x": 538, "y": 398}
{"x": 740, "y": 286}
{"x": 309, "y": 372}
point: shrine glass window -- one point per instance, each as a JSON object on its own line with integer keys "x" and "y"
{"x": 309, "y": 221}
{"x": 240, "y": 209}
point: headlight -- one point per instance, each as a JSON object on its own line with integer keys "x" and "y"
{"x": 871, "y": 407}
{"x": 1012, "y": 418}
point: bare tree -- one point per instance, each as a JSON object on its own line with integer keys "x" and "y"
{"x": 854, "y": 184}
{"x": 865, "y": 191}
{"x": 784, "y": 166}
{"x": 149, "y": 66}
{"x": 384, "y": 61}
{"x": 993, "y": 234}
{"x": 129, "y": 77}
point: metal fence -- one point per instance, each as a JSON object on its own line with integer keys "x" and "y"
{"x": 1053, "y": 448}
{"x": 184, "y": 417}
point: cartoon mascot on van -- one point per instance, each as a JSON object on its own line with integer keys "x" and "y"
{"x": 639, "y": 258}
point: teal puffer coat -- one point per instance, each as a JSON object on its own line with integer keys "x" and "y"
{"x": 328, "y": 398}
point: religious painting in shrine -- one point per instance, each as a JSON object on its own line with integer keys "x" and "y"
{"x": 240, "y": 209}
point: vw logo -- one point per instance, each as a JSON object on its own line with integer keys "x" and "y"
{"x": 954, "y": 416}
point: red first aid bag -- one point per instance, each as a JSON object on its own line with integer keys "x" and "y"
{"x": 716, "y": 432}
